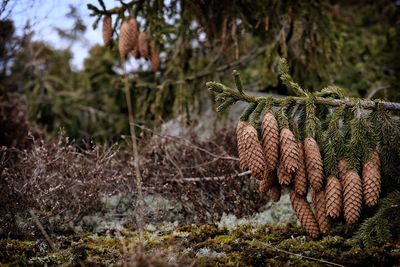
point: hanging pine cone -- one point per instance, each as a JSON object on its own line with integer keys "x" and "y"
{"x": 154, "y": 58}
{"x": 241, "y": 144}
{"x": 107, "y": 29}
{"x": 375, "y": 156}
{"x": 266, "y": 183}
{"x": 300, "y": 178}
{"x": 314, "y": 166}
{"x": 371, "y": 180}
{"x": 128, "y": 37}
{"x": 304, "y": 214}
{"x": 319, "y": 202}
{"x": 136, "y": 52}
{"x": 254, "y": 154}
{"x": 270, "y": 140}
{"x": 352, "y": 196}
{"x": 342, "y": 168}
{"x": 275, "y": 192}
{"x": 333, "y": 197}
{"x": 284, "y": 178}
{"x": 144, "y": 45}
{"x": 289, "y": 151}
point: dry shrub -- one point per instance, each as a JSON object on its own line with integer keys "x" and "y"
{"x": 56, "y": 180}
{"x": 62, "y": 183}
{"x": 168, "y": 162}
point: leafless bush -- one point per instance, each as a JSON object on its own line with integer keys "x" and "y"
{"x": 62, "y": 183}
{"x": 56, "y": 179}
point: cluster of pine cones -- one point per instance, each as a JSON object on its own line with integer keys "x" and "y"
{"x": 279, "y": 160}
{"x": 131, "y": 40}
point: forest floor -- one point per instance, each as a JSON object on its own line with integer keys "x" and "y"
{"x": 197, "y": 245}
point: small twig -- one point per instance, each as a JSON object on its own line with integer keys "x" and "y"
{"x": 187, "y": 143}
{"x": 174, "y": 163}
{"x": 300, "y": 255}
{"x": 216, "y": 178}
{"x": 240, "y": 62}
{"x": 138, "y": 180}
{"x": 41, "y": 228}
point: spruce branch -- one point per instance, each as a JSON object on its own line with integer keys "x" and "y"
{"x": 313, "y": 124}
{"x": 288, "y": 80}
{"x": 247, "y": 112}
{"x": 255, "y": 115}
{"x": 238, "y": 81}
{"x": 301, "y": 100}
{"x": 384, "y": 224}
{"x": 226, "y": 105}
{"x": 360, "y": 144}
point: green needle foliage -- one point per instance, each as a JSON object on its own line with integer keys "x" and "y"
{"x": 361, "y": 141}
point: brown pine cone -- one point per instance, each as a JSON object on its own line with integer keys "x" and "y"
{"x": 371, "y": 177}
{"x": 136, "y": 52}
{"x": 144, "y": 45}
{"x": 241, "y": 144}
{"x": 300, "y": 178}
{"x": 375, "y": 156}
{"x": 352, "y": 196}
{"x": 284, "y": 178}
{"x": 342, "y": 168}
{"x": 254, "y": 154}
{"x": 107, "y": 29}
{"x": 304, "y": 214}
{"x": 314, "y": 166}
{"x": 275, "y": 192}
{"x": 154, "y": 58}
{"x": 266, "y": 183}
{"x": 333, "y": 197}
{"x": 270, "y": 140}
{"x": 289, "y": 151}
{"x": 128, "y": 37}
{"x": 319, "y": 203}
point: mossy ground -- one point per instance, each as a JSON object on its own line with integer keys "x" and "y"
{"x": 200, "y": 245}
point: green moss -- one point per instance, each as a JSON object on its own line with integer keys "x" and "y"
{"x": 16, "y": 252}
{"x": 200, "y": 233}
{"x": 245, "y": 246}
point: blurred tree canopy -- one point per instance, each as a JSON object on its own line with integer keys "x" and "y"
{"x": 352, "y": 44}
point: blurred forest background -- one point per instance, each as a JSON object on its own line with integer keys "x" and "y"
{"x": 351, "y": 44}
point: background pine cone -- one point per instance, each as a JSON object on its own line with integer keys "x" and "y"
{"x": 314, "y": 165}
{"x": 270, "y": 140}
{"x": 333, "y": 197}
{"x": 128, "y": 37}
{"x": 144, "y": 45}
{"x": 154, "y": 58}
{"x": 289, "y": 151}
{"x": 107, "y": 30}
{"x": 352, "y": 196}
{"x": 304, "y": 214}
